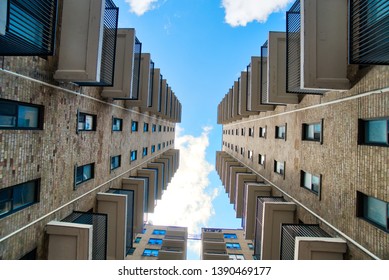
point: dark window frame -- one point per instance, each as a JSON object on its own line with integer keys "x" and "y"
{"x": 304, "y": 132}
{"x": 283, "y": 170}
{"x": 362, "y": 132}
{"x": 84, "y": 115}
{"x": 277, "y": 128}
{"x": 120, "y": 162}
{"x": 92, "y": 176}
{"x": 12, "y": 196}
{"x": 263, "y": 132}
{"x": 16, "y": 104}
{"x": 159, "y": 232}
{"x": 259, "y": 160}
{"x": 144, "y": 152}
{"x": 153, "y": 252}
{"x": 134, "y": 126}
{"x": 113, "y": 124}
{"x": 135, "y": 152}
{"x": 302, "y": 176}
{"x": 361, "y": 208}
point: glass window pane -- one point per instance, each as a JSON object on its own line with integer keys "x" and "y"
{"x": 315, "y": 183}
{"x": 307, "y": 180}
{"x": 375, "y": 210}
{"x": 309, "y": 131}
{"x": 7, "y": 121}
{"x": 88, "y": 122}
{"x": 5, "y": 201}
{"x": 79, "y": 174}
{"x": 376, "y": 131}
{"x": 23, "y": 194}
{"x": 87, "y": 172}
{"x": 28, "y": 116}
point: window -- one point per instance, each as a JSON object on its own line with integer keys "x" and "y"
{"x": 150, "y": 253}
{"x": 145, "y": 127}
{"x": 279, "y": 167}
{"x": 310, "y": 182}
{"x": 243, "y": 132}
{"x": 262, "y": 132}
{"x": 17, "y": 115}
{"x": 144, "y": 231}
{"x": 250, "y": 154}
{"x": 153, "y": 128}
{"x": 242, "y": 150}
{"x": 117, "y": 124}
{"x": 251, "y": 246}
{"x": 84, "y": 173}
{"x": 312, "y": 132}
{"x": 235, "y": 246}
{"x": 15, "y": 198}
{"x": 163, "y": 145}
{"x": 152, "y": 148}
{"x": 164, "y": 128}
{"x": 115, "y": 162}
{"x": 137, "y": 240}
{"x": 237, "y": 132}
{"x": 159, "y": 146}
{"x": 159, "y": 232}
{"x": 251, "y": 131}
{"x": 232, "y": 131}
{"x": 238, "y": 257}
{"x": 373, "y": 210}
{"x": 261, "y": 159}
{"x": 155, "y": 241}
{"x": 281, "y": 132}
{"x": 144, "y": 152}
{"x": 374, "y": 132}
{"x": 159, "y": 128}
{"x": 86, "y": 122}
{"x": 133, "y": 155}
{"x": 230, "y": 236}
{"x": 134, "y": 126}
{"x": 236, "y": 148}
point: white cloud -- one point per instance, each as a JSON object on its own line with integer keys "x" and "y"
{"x": 241, "y": 12}
{"x": 139, "y": 7}
{"x": 186, "y": 201}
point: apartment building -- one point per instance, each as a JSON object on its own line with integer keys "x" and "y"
{"x": 225, "y": 244}
{"x": 160, "y": 243}
{"x": 87, "y": 128}
{"x": 305, "y": 139}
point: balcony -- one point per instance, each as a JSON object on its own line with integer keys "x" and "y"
{"x": 118, "y": 204}
{"x": 27, "y": 28}
{"x": 317, "y": 46}
{"x": 140, "y": 186}
{"x": 272, "y": 212}
{"x": 309, "y": 242}
{"x": 81, "y": 235}
{"x": 256, "y": 75}
{"x": 273, "y": 58}
{"x": 251, "y": 192}
{"x": 241, "y": 180}
{"x": 214, "y": 255}
{"x": 368, "y": 32}
{"x": 234, "y": 170}
{"x": 161, "y": 176}
{"x": 88, "y": 42}
{"x": 171, "y": 253}
{"x": 152, "y": 177}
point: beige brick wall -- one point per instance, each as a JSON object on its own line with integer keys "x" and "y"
{"x": 345, "y": 166}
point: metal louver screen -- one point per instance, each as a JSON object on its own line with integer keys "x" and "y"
{"x": 111, "y": 15}
{"x": 99, "y": 222}
{"x": 293, "y": 52}
{"x": 30, "y": 29}
{"x": 136, "y": 70}
{"x": 369, "y": 32}
{"x": 259, "y": 222}
{"x": 291, "y": 231}
{"x": 263, "y": 84}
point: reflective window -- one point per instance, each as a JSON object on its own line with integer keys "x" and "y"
{"x": 17, "y": 115}
{"x": 86, "y": 122}
{"x": 150, "y": 253}
{"x": 84, "y": 173}
{"x": 134, "y": 126}
{"x": 312, "y": 132}
{"x": 374, "y": 132}
{"x": 117, "y": 124}
{"x": 310, "y": 182}
{"x": 374, "y": 210}
{"x": 115, "y": 162}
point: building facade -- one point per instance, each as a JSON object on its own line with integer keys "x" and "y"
{"x": 160, "y": 243}
{"x": 87, "y": 128}
{"x": 225, "y": 244}
{"x": 305, "y": 137}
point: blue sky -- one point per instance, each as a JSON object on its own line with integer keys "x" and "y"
{"x": 201, "y": 46}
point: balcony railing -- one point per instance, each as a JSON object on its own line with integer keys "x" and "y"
{"x": 289, "y": 234}
{"x": 293, "y": 52}
{"x": 111, "y": 15}
{"x": 368, "y": 32}
{"x": 30, "y": 28}
{"x": 136, "y": 72}
{"x": 99, "y": 222}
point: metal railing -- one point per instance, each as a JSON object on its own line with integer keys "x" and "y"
{"x": 368, "y": 32}
{"x": 99, "y": 222}
{"x": 293, "y": 52}
{"x": 289, "y": 232}
{"x": 111, "y": 15}
{"x": 30, "y": 28}
{"x": 136, "y": 69}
